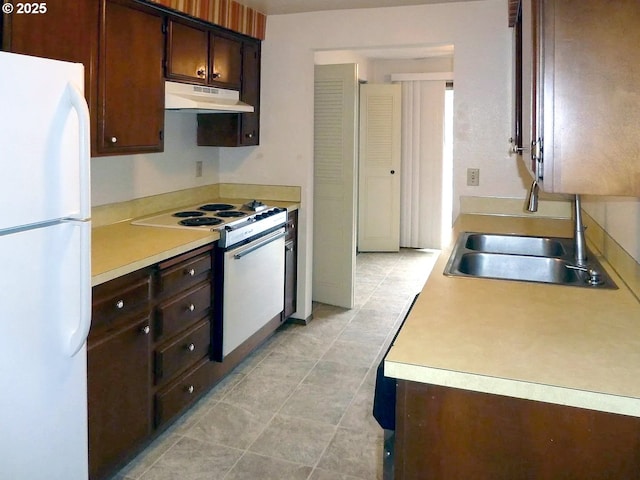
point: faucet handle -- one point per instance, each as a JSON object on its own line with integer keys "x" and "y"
{"x": 595, "y": 277}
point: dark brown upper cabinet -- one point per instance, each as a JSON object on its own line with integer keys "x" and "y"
{"x": 130, "y": 107}
{"x": 237, "y": 129}
{"x": 580, "y": 109}
{"x": 196, "y": 54}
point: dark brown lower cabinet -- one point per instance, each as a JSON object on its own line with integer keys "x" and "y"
{"x": 446, "y": 433}
{"x": 291, "y": 265}
{"x": 119, "y": 393}
{"x": 149, "y": 354}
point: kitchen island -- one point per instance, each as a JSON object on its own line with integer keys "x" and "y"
{"x": 494, "y": 376}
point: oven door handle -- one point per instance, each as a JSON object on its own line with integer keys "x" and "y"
{"x": 260, "y": 244}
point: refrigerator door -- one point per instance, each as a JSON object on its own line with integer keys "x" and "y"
{"x": 44, "y": 141}
{"x": 44, "y": 312}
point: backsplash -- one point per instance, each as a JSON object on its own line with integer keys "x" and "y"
{"x": 613, "y": 227}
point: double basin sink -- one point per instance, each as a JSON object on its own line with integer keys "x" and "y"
{"x": 524, "y": 258}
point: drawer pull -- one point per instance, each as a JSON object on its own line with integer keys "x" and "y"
{"x": 190, "y": 389}
{"x": 191, "y": 347}
{"x": 191, "y": 272}
{"x": 120, "y": 304}
{"x": 145, "y": 330}
{"x": 192, "y": 307}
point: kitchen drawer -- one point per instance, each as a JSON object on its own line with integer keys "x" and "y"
{"x": 184, "y": 275}
{"x": 185, "y": 350}
{"x": 120, "y": 299}
{"x": 181, "y": 393}
{"x": 181, "y": 311}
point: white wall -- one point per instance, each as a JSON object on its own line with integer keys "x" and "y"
{"x": 620, "y": 218}
{"x": 335, "y": 57}
{"x": 383, "y": 69}
{"x": 125, "y": 177}
{"x": 481, "y": 38}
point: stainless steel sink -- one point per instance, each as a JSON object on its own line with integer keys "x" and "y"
{"x": 524, "y": 258}
{"x": 516, "y": 267}
{"x": 517, "y": 245}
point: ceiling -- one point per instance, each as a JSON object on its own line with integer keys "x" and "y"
{"x": 280, "y": 7}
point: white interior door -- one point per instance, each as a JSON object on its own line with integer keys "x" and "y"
{"x": 334, "y": 197}
{"x": 379, "y": 178}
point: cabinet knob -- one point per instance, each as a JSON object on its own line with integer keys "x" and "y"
{"x": 201, "y": 72}
{"x": 192, "y": 307}
{"x": 216, "y": 75}
{"x": 113, "y": 140}
{"x": 146, "y": 329}
{"x": 190, "y": 389}
{"x": 249, "y": 135}
{"x": 191, "y": 272}
{"x": 120, "y": 304}
{"x": 191, "y": 347}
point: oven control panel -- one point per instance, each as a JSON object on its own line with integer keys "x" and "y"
{"x": 240, "y": 230}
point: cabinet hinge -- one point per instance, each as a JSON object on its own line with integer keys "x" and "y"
{"x": 161, "y": 135}
{"x": 164, "y": 28}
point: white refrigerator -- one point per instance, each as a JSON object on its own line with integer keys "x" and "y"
{"x": 45, "y": 269}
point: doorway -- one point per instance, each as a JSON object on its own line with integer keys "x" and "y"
{"x": 342, "y": 279}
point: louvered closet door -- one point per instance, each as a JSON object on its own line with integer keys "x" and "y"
{"x": 380, "y": 148}
{"x": 334, "y": 198}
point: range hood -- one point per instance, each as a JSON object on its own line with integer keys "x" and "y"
{"x": 202, "y": 99}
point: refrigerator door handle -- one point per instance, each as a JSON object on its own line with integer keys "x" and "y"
{"x": 78, "y": 337}
{"x": 79, "y": 103}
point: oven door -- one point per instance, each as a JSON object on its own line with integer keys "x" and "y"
{"x": 253, "y": 288}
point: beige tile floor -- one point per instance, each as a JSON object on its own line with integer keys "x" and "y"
{"x": 300, "y": 406}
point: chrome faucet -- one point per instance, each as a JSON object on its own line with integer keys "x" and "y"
{"x": 532, "y": 198}
{"x": 579, "y": 245}
{"x": 580, "y": 249}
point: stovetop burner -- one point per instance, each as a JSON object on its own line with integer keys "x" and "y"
{"x": 230, "y": 214}
{"x": 200, "y": 221}
{"x": 188, "y": 213}
{"x": 215, "y": 207}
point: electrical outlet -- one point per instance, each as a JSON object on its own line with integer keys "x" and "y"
{"x": 473, "y": 177}
{"x": 199, "y": 168}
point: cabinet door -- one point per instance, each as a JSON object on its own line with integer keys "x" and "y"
{"x": 239, "y": 129}
{"x": 250, "y": 93}
{"x": 580, "y": 70}
{"x": 187, "y": 53}
{"x": 516, "y": 125}
{"x": 65, "y": 32}
{"x": 119, "y": 396}
{"x": 131, "y": 83}
{"x": 530, "y": 84}
{"x": 226, "y": 61}
{"x": 291, "y": 265}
